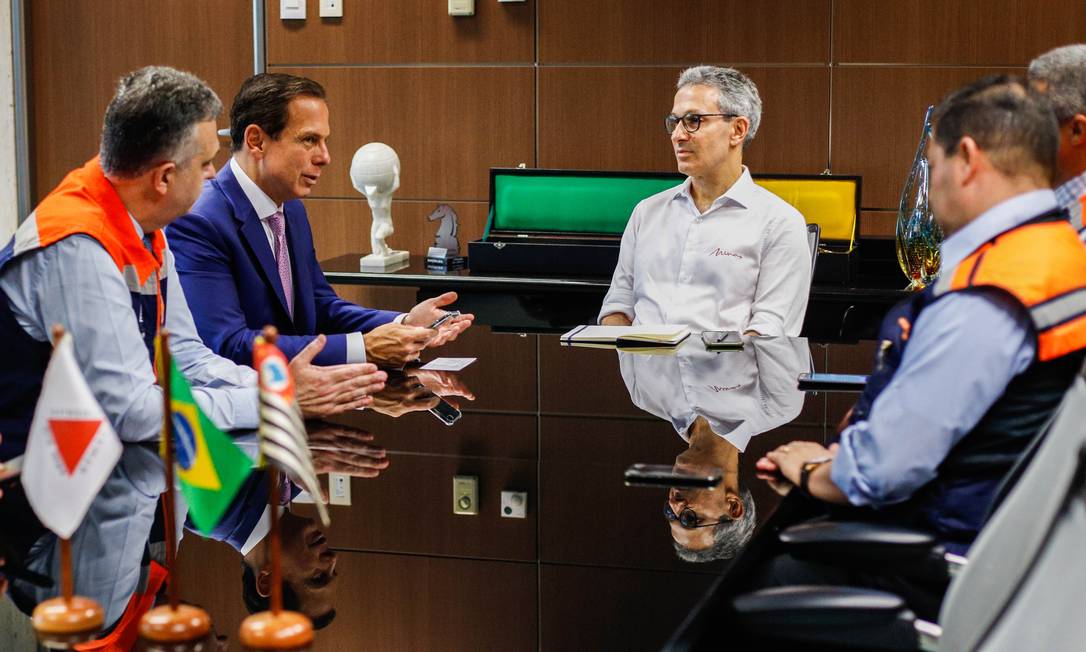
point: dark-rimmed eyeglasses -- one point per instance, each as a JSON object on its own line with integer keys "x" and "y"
{"x": 687, "y": 518}
{"x": 692, "y": 121}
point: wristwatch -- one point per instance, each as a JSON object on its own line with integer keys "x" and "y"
{"x": 807, "y": 469}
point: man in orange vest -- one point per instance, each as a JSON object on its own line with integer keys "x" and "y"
{"x": 987, "y": 351}
{"x": 1060, "y": 75}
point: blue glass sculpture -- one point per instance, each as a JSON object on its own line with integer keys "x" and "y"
{"x": 918, "y": 234}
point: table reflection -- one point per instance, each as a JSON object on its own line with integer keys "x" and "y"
{"x": 717, "y": 401}
{"x": 589, "y": 567}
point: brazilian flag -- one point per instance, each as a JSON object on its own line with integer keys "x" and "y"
{"x": 209, "y": 466}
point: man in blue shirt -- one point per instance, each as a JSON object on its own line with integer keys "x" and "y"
{"x": 983, "y": 361}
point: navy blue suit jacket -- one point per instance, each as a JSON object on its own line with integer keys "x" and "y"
{"x": 228, "y": 272}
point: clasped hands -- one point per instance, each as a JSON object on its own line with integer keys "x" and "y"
{"x": 781, "y": 467}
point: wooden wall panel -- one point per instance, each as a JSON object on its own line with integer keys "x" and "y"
{"x": 78, "y": 49}
{"x": 612, "y": 118}
{"x": 448, "y": 125}
{"x": 403, "y": 31}
{"x": 342, "y": 226}
{"x": 879, "y": 224}
{"x": 397, "y": 602}
{"x": 585, "y": 381}
{"x": 408, "y": 508}
{"x": 964, "y": 32}
{"x": 614, "y": 609}
{"x": 687, "y": 31}
{"x": 877, "y": 116}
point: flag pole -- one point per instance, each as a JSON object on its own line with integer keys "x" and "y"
{"x": 275, "y": 629}
{"x": 172, "y": 623}
{"x": 169, "y": 500}
{"x": 271, "y": 335}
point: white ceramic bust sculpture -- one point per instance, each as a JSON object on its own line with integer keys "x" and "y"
{"x": 375, "y": 172}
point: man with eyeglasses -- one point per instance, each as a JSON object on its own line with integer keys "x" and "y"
{"x": 718, "y": 251}
{"x": 1060, "y": 75}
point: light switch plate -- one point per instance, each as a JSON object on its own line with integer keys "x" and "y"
{"x": 331, "y": 8}
{"x": 292, "y": 9}
{"x": 461, "y": 7}
{"x": 465, "y": 495}
{"x": 514, "y": 504}
{"x": 339, "y": 489}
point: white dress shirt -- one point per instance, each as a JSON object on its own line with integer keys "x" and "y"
{"x": 742, "y": 265}
{"x": 265, "y": 208}
{"x": 740, "y": 393}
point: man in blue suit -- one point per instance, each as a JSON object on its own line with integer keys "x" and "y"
{"x": 245, "y": 252}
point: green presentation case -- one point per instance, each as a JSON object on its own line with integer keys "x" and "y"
{"x": 570, "y": 222}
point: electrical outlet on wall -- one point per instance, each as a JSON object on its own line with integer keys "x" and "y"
{"x": 339, "y": 489}
{"x": 461, "y": 7}
{"x": 292, "y": 9}
{"x": 331, "y": 8}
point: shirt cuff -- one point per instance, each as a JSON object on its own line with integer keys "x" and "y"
{"x": 609, "y": 308}
{"x": 399, "y": 319}
{"x": 845, "y": 472}
{"x": 356, "y": 347}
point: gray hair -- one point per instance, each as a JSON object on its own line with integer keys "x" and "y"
{"x": 152, "y": 118}
{"x": 729, "y": 536}
{"x": 737, "y": 93}
{"x": 1063, "y": 71}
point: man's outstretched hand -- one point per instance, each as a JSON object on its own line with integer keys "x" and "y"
{"x": 324, "y": 391}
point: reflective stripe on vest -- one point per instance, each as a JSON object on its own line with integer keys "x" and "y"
{"x": 1043, "y": 265}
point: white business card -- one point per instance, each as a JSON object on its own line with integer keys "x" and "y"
{"x": 447, "y": 364}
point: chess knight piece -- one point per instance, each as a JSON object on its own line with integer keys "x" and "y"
{"x": 375, "y": 172}
{"x": 444, "y": 255}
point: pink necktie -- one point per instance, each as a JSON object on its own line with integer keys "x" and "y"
{"x": 282, "y": 258}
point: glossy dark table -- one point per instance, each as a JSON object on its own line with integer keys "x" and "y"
{"x": 593, "y": 565}
{"x": 549, "y": 303}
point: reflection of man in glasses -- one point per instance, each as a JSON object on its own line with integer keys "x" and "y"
{"x": 717, "y": 401}
{"x": 710, "y": 524}
{"x": 717, "y": 251}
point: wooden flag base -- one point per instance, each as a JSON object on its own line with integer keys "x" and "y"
{"x": 286, "y": 630}
{"x": 59, "y": 622}
{"x": 167, "y": 624}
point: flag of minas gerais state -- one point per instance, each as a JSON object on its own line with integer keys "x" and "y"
{"x": 210, "y": 468}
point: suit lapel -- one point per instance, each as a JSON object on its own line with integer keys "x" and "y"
{"x": 252, "y": 231}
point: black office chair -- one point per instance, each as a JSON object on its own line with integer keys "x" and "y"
{"x": 1032, "y": 540}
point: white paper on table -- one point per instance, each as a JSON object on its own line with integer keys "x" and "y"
{"x": 447, "y": 364}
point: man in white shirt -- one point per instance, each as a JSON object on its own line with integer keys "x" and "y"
{"x": 717, "y": 251}
{"x": 1060, "y": 75}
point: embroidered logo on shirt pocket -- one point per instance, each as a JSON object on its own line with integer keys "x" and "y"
{"x": 716, "y": 252}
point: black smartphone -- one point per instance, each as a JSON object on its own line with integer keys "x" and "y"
{"x": 832, "y": 382}
{"x": 722, "y": 340}
{"x": 444, "y": 318}
{"x": 445, "y": 412}
{"x": 666, "y": 475}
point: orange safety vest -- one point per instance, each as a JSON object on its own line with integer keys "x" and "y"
{"x": 1042, "y": 264}
{"x": 124, "y": 635}
{"x": 86, "y": 203}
